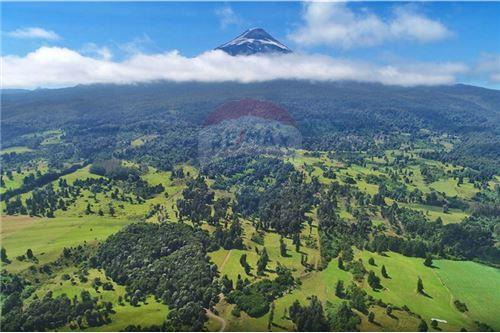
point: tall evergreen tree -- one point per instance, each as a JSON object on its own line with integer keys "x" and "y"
{"x": 384, "y": 272}
{"x": 420, "y": 286}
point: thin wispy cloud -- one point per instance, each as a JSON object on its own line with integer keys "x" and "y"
{"x": 58, "y": 67}
{"x": 335, "y": 24}
{"x": 33, "y": 33}
{"x": 92, "y": 49}
{"x": 140, "y": 44}
{"x": 489, "y": 66}
{"x": 227, "y": 16}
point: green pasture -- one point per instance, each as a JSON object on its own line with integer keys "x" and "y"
{"x": 47, "y": 237}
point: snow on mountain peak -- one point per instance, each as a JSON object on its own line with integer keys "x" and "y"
{"x": 253, "y": 41}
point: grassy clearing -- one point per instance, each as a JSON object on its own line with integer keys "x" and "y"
{"x": 16, "y": 149}
{"x": 475, "y": 284}
{"x": 142, "y": 140}
{"x": 450, "y": 188}
{"x": 433, "y": 212}
{"x": 47, "y": 237}
{"x": 400, "y": 289}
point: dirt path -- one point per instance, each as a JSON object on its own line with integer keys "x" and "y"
{"x": 225, "y": 260}
{"x": 452, "y": 304}
{"x": 221, "y": 320}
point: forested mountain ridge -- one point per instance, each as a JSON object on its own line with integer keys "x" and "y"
{"x": 325, "y": 112}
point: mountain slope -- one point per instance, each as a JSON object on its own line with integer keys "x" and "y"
{"x": 253, "y": 41}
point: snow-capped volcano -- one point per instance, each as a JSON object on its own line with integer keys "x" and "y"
{"x": 253, "y": 41}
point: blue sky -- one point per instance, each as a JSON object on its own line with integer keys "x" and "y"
{"x": 378, "y": 34}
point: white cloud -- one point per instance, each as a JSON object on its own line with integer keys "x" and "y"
{"x": 33, "y": 33}
{"x": 103, "y": 52}
{"x": 138, "y": 45}
{"x": 58, "y": 67}
{"x": 227, "y": 16}
{"x": 335, "y": 24}
{"x": 489, "y": 66}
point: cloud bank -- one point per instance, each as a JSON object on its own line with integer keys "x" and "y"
{"x": 33, "y": 33}
{"x": 59, "y": 67}
{"x": 335, "y": 24}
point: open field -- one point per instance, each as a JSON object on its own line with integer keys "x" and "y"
{"x": 17, "y": 150}
{"x": 47, "y": 237}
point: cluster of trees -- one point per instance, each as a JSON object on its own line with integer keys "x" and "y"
{"x": 312, "y": 317}
{"x": 30, "y": 182}
{"x": 473, "y": 238}
{"x": 49, "y": 313}
{"x": 196, "y": 201}
{"x": 255, "y": 299}
{"x": 168, "y": 261}
{"x": 46, "y": 200}
{"x": 230, "y": 238}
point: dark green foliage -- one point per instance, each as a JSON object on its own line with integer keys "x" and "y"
{"x": 357, "y": 298}
{"x": 420, "y": 286}
{"x": 230, "y": 238}
{"x": 255, "y": 299}
{"x": 339, "y": 289}
{"x": 271, "y": 316}
{"x": 44, "y": 179}
{"x": 244, "y": 263}
{"x": 428, "y": 261}
{"x": 343, "y": 319}
{"x": 3, "y": 256}
{"x": 482, "y": 327}
{"x": 196, "y": 201}
{"x": 310, "y": 318}
{"x": 49, "y": 313}
{"x": 422, "y": 326}
{"x": 384, "y": 272}
{"x": 462, "y": 307}
{"x": 114, "y": 169}
{"x": 166, "y": 260}
{"x": 262, "y": 262}
{"x": 282, "y": 248}
{"x": 374, "y": 280}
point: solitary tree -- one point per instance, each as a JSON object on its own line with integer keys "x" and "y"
{"x": 3, "y": 256}
{"x": 112, "y": 210}
{"x": 262, "y": 262}
{"x": 282, "y": 247}
{"x": 428, "y": 261}
{"x": 422, "y": 327}
{"x": 371, "y": 261}
{"x": 296, "y": 242}
{"x": 244, "y": 263}
{"x": 371, "y": 317}
{"x": 88, "y": 210}
{"x": 384, "y": 272}
{"x": 341, "y": 263}
{"x": 434, "y": 324}
{"x": 29, "y": 254}
{"x": 373, "y": 280}
{"x": 420, "y": 286}
{"x": 339, "y": 289}
{"x": 388, "y": 310}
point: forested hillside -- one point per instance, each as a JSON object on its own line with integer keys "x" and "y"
{"x": 276, "y": 206}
